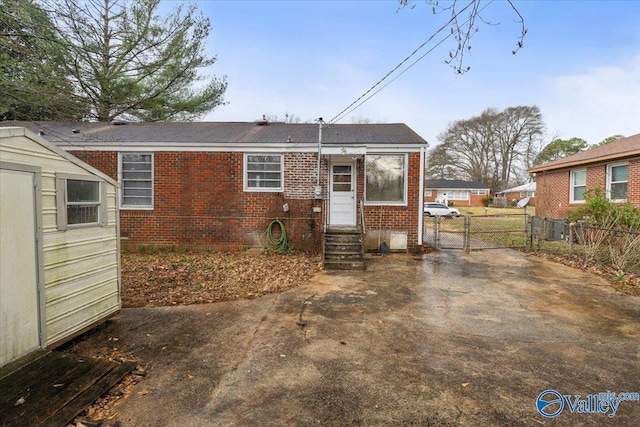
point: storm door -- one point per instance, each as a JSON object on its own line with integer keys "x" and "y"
{"x": 342, "y": 194}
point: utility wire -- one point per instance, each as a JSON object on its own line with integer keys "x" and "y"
{"x": 349, "y": 108}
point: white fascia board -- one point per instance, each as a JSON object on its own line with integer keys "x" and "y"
{"x": 393, "y": 148}
{"x": 346, "y": 150}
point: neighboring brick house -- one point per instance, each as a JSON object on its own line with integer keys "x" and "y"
{"x": 614, "y": 167}
{"x": 511, "y": 196}
{"x": 219, "y": 185}
{"x": 456, "y": 191}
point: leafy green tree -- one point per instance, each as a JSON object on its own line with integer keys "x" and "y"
{"x": 559, "y": 148}
{"x": 608, "y": 140}
{"x": 34, "y": 85}
{"x": 127, "y": 62}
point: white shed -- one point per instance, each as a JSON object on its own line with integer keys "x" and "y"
{"x": 59, "y": 246}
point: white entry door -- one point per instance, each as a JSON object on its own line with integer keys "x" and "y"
{"x": 342, "y": 195}
{"x": 19, "y": 305}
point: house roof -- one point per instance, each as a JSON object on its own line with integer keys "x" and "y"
{"x": 14, "y": 131}
{"x": 456, "y": 184}
{"x": 529, "y": 186}
{"x": 102, "y": 133}
{"x": 622, "y": 148}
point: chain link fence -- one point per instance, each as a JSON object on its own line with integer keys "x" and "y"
{"x": 617, "y": 248}
{"x": 478, "y": 232}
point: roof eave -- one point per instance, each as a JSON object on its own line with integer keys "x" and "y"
{"x": 585, "y": 162}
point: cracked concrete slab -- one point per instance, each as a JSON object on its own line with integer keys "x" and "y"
{"x": 449, "y": 339}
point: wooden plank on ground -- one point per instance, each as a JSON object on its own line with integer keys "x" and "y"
{"x": 88, "y": 396}
{"x": 44, "y": 391}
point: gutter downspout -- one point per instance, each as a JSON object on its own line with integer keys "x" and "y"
{"x": 423, "y": 151}
{"x": 319, "y": 149}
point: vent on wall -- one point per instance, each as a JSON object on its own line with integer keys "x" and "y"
{"x": 398, "y": 241}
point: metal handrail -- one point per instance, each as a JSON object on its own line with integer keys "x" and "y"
{"x": 325, "y": 214}
{"x": 362, "y": 216}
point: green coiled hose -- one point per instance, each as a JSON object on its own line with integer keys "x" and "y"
{"x": 277, "y": 245}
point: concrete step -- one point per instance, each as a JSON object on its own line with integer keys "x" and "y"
{"x": 346, "y": 238}
{"x": 343, "y": 250}
{"x": 330, "y": 264}
{"x": 343, "y": 247}
{"x": 343, "y": 255}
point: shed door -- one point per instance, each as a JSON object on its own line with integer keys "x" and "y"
{"x": 19, "y": 306}
{"x": 342, "y": 194}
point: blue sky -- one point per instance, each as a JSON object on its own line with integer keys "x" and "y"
{"x": 580, "y": 63}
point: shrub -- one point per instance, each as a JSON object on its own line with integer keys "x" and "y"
{"x": 600, "y": 211}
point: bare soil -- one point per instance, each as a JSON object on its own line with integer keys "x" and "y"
{"x": 172, "y": 278}
{"x": 624, "y": 282}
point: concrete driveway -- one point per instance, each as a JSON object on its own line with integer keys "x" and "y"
{"x": 451, "y": 339}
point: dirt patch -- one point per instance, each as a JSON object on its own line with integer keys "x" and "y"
{"x": 625, "y": 283}
{"x": 169, "y": 278}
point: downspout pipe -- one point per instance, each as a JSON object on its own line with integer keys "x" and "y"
{"x": 423, "y": 151}
{"x": 320, "y": 121}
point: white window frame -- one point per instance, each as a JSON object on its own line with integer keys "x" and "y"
{"x": 245, "y": 174}
{"x": 121, "y": 181}
{"x": 458, "y": 195}
{"x": 62, "y": 203}
{"x": 478, "y": 192}
{"x": 572, "y": 185}
{"x": 610, "y": 181}
{"x": 405, "y": 190}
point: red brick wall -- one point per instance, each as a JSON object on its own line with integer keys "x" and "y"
{"x": 396, "y": 218}
{"x": 199, "y": 202}
{"x": 552, "y": 188}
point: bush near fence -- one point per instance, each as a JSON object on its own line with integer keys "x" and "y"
{"x": 612, "y": 247}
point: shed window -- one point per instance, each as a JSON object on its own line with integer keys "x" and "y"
{"x": 83, "y": 202}
{"x": 136, "y": 178}
{"x": 578, "y": 185}
{"x": 80, "y": 201}
{"x": 617, "y": 177}
{"x": 263, "y": 172}
{"x": 386, "y": 179}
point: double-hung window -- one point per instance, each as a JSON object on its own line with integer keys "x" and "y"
{"x": 578, "y": 185}
{"x": 386, "y": 179}
{"x": 617, "y": 177}
{"x": 80, "y": 201}
{"x": 263, "y": 172}
{"x": 136, "y": 180}
{"x": 458, "y": 195}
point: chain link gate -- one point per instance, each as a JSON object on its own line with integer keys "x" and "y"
{"x": 478, "y": 232}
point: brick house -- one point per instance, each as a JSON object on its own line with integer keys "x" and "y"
{"x": 614, "y": 167}
{"x": 456, "y": 191}
{"x": 210, "y": 185}
{"x": 510, "y": 196}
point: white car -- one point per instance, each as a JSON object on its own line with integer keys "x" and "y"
{"x": 440, "y": 209}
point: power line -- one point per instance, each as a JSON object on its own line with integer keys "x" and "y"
{"x": 349, "y": 108}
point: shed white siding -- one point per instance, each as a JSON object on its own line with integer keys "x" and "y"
{"x": 80, "y": 264}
